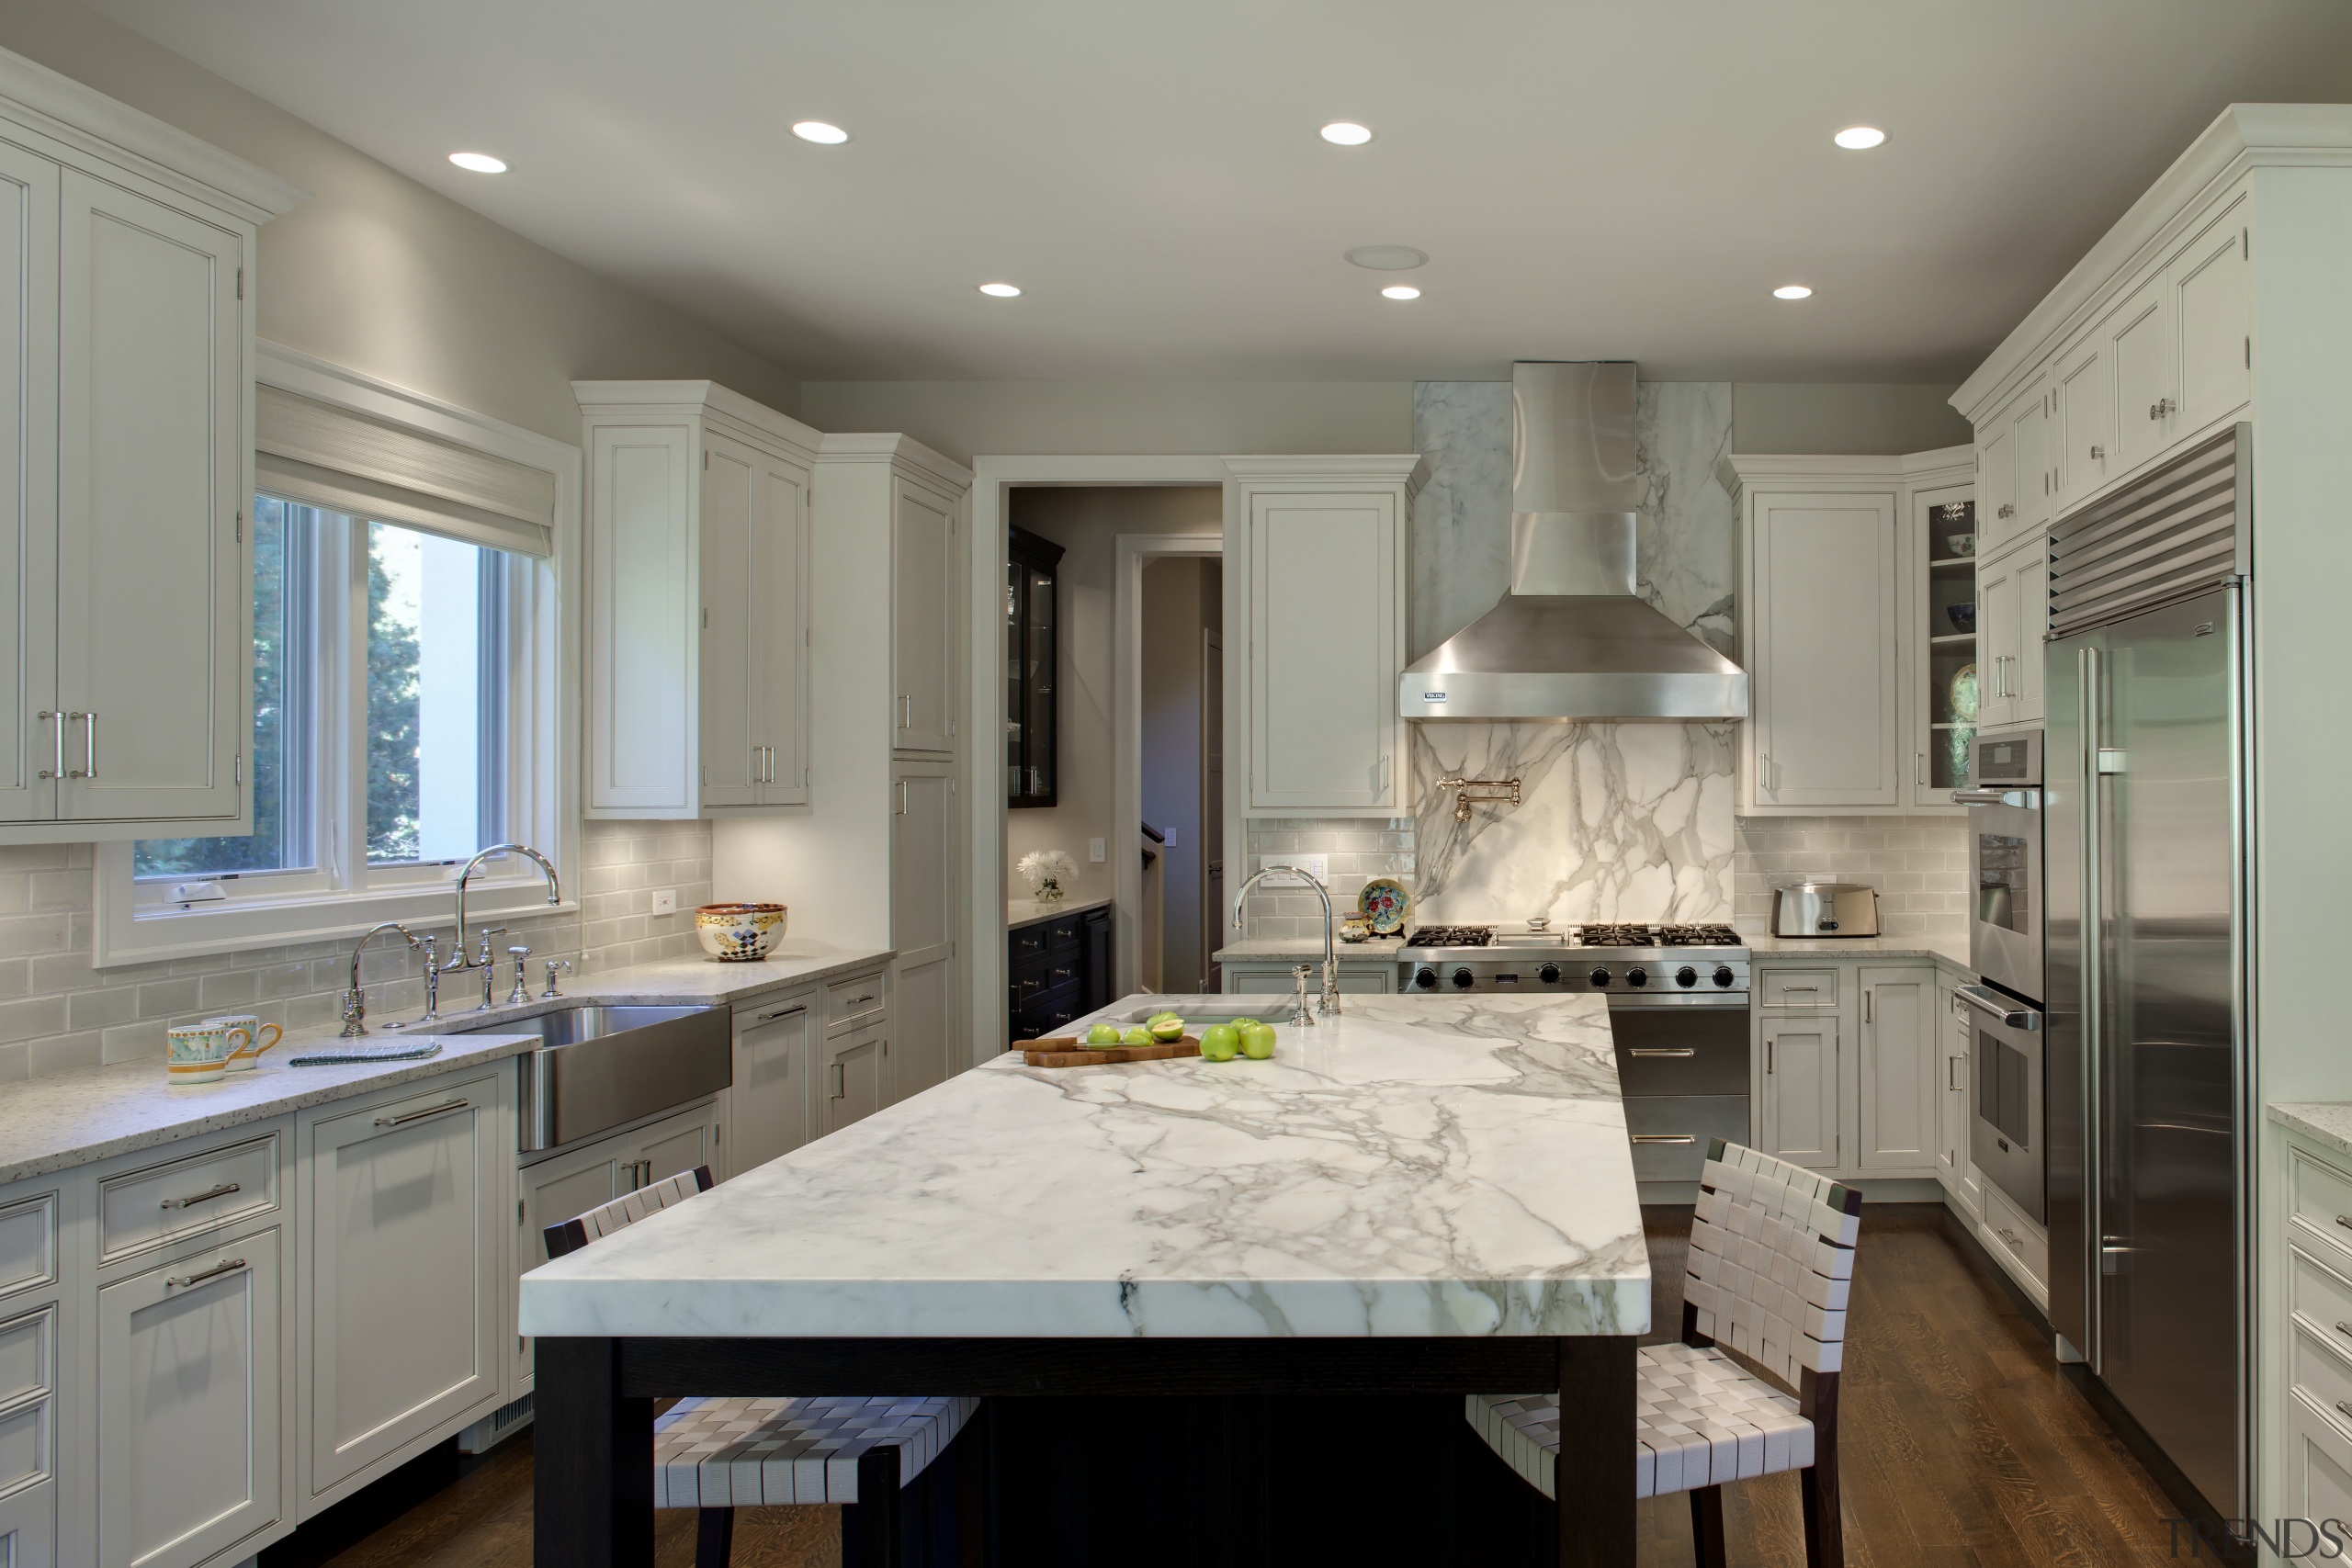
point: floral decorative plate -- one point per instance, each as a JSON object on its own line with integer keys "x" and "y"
{"x": 1385, "y": 904}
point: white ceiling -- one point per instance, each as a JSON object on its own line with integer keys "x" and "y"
{"x": 1621, "y": 179}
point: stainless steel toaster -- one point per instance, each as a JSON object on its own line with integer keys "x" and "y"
{"x": 1825, "y": 908}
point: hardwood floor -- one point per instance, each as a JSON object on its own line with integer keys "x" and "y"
{"x": 1964, "y": 1448}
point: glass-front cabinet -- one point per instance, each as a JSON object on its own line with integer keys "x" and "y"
{"x": 1945, "y": 654}
{"x": 1032, "y": 623}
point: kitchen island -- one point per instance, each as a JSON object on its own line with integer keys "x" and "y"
{"x": 1421, "y": 1196}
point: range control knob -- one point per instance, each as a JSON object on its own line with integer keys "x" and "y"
{"x": 1549, "y": 973}
{"x": 1462, "y": 980}
{"x": 1638, "y": 976}
{"x": 1723, "y": 976}
{"x": 1425, "y": 979}
{"x": 1599, "y": 977}
{"x": 1686, "y": 976}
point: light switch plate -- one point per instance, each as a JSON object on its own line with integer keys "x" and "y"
{"x": 666, "y": 901}
{"x": 1095, "y": 850}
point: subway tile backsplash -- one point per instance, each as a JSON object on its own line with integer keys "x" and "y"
{"x": 1356, "y": 849}
{"x": 57, "y": 1013}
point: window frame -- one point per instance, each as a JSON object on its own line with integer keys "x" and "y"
{"x": 345, "y": 895}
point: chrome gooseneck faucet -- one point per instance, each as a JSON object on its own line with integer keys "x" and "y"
{"x": 1330, "y": 1001}
{"x": 354, "y": 1001}
{"x": 484, "y": 959}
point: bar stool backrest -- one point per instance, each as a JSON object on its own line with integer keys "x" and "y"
{"x": 572, "y": 1235}
{"x": 1771, "y": 1262}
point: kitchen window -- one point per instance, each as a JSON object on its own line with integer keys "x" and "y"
{"x": 404, "y": 702}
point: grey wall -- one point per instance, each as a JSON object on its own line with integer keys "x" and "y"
{"x": 379, "y": 274}
{"x": 1182, "y": 597}
{"x": 1865, "y": 421}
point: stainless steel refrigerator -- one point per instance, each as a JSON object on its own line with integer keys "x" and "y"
{"x": 2151, "y": 1232}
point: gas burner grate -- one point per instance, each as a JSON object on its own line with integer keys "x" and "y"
{"x": 1699, "y": 936}
{"x": 1616, "y": 933}
{"x": 1451, "y": 936}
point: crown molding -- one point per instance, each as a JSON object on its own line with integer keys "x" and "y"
{"x": 755, "y": 420}
{"x": 903, "y": 452}
{"x": 1408, "y": 469}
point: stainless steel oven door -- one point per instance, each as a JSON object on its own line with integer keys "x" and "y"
{"x": 2007, "y": 1126}
{"x": 2004, "y": 887}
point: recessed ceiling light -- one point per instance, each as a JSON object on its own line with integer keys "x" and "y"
{"x": 1000, "y": 290}
{"x": 1792, "y": 291}
{"x": 1400, "y": 291}
{"x": 1347, "y": 133}
{"x": 1860, "y": 138}
{"x": 817, "y": 131}
{"x": 1388, "y": 258}
{"x": 479, "y": 163}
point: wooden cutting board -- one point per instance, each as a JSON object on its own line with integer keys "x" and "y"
{"x": 1069, "y": 1051}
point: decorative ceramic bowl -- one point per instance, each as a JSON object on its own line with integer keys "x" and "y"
{"x": 1963, "y": 616}
{"x": 738, "y": 933}
{"x": 1385, "y": 903}
{"x": 1962, "y": 544}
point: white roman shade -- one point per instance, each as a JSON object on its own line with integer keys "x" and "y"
{"x": 342, "y": 461}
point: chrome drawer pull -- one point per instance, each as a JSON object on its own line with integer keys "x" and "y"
{"x": 228, "y": 1266}
{"x": 1660, "y": 1050}
{"x": 2345, "y": 1220}
{"x": 2344, "y": 1329}
{"x": 2346, "y": 1409}
{"x": 780, "y": 1012}
{"x": 1664, "y": 1138}
{"x": 2010, "y": 1236}
{"x": 1800, "y": 987}
{"x": 190, "y": 1202}
{"x": 405, "y": 1117}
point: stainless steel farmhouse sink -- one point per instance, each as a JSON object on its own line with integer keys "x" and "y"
{"x": 601, "y": 1067}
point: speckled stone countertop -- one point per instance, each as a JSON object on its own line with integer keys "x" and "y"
{"x": 1415, "y": 1165}
{"x": 68, "y": 1119}
{"x": 2323, "y": 1123}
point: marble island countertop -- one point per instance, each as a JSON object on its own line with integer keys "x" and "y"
{"x": 1413, "y": 1166}
{"x": 63, "y": 1120}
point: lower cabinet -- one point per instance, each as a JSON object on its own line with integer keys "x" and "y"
{"x": 775, "y": 1069}
{"x": 1797, "y": 1110}
{"x": 1954, "y": 1167}
{"x": 404, "y": 1290}
{"x": 28, "y": 1525}
{"x": 1898, "y": 1070}
{"x": 857, "y": 1066}
{"x": 189, "y": 1363}
{"x": 1243, "y": 978}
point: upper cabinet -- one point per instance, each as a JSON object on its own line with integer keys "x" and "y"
{"x": 126, "y": 468}
{"x": 922, "y": 619}
{"x": 1847, "y": 585}
{"x": 697, "y": 542}
{"x": 1323, "y": 574}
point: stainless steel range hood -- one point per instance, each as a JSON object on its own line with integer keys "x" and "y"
{"x": 1570, "y": 640}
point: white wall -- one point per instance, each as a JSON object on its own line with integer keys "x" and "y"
{"x": 1863, "y": 420}
{"x": 379, "y": 274}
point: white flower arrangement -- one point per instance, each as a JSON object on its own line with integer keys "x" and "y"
{"x": 1048, "y": 872}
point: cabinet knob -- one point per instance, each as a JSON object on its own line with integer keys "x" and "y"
{"x": 2098, "y": 454}
{"x": 2161, "y": 407}
{"x": 2007, "y": 510}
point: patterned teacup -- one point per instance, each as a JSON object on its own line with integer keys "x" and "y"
{"x": 248, "y": 1054}
{"x": 199, "y": 1053}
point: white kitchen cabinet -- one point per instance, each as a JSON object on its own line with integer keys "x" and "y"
{"x": 1256, "y": 978}
{"x": 30, "y": 1357}
{"x": 28, "y": 1525}
{"x": 776, "y": 1073}
{"x": 1823, "y": 661}
{"x": 923, "y": 619}
{"x": 1896, "y": 1068}
{"x": 1953, "y": 1166}
{"x": 2083, "y": 433}
{"x": 1796, "y": 1114}
{"x": 2012, "y": 614}
{"x": 1937, "y": 649}
{"x": 403, "y": 1194}
{"x": 2212, "y": 287}
{"x": 697, "y": 544}
{"x": 125, "y": 469}
{"x": 923, "y": 842}
{"x": 2141, "y": 344}
{"x": 1319, "y": 547}
{"x": 188, "y": 1362}
{"x": 858, "y": 1068}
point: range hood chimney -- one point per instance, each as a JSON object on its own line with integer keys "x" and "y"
{"x": 1571, "y": 639}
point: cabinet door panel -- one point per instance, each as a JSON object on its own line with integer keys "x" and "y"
{"x": 641, "y": 655}
{"x": 1800, "y": 1112}
{"x": 2214, "y": 284}
{"x": 153, "y": 590}
{"x": 29, "y": 190}
{"x": 2085, "y": 434}
{"x": 919, "y": 1028}
{"x": 779, "y": 588}
{"x": 854, "y": 1077}
{"x": 767, "y": 1113}
{"x": 730, "y": 724}
{"x": 922, "y": 615}
{"x": 188, "y": 1358}
{"x": 1324, "y": 645}
{"x": 2030, "y": 418}
{"x": 1826, "y": 651}
{"x": 28, "y": 1527}
{"x": 680, "y": 1145}
{"x": 402, "y": 1314}
{"x": 1996, "y": 484}
{"x": 1998, "y": 626}
{"x": 922, "y": 885}
{"x": 2029, "y": 568}
{"x": 2140, "y": 342}
{"x": 1898, "y": 1078}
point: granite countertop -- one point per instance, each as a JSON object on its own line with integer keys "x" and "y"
{"x": 1029, "y": 912}
{"x": 63, "y": 1120}
{"x": 1415, "y": 1165}
{"x": 2322, "y": 1122}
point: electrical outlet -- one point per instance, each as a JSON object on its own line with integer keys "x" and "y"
{"x": 1096, "y": 850}
{"x": 1316, "y": 866}
{"x": 666, "y": 901}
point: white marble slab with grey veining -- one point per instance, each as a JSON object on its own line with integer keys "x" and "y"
{"x": 63, "y": 1120}
{"x": 1414, "y": 1167}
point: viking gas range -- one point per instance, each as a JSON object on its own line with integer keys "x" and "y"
{"x": 1678, "y": 1004}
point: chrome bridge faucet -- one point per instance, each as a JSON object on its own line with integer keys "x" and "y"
{"x": 1330, "y": 1000}
{"x": 484, "y": 957}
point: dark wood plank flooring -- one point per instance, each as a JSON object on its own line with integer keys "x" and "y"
{"x": 1964, "y": 1448}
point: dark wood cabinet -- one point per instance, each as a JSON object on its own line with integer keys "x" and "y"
{"x": 1057, "y": 969}
{"x": 1032, "y": 651}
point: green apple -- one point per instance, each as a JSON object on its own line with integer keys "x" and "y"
{"x": 1103, "y": 1034}
{"x": 1220, "y": 1043}
{"x": 1241, "y": 1023}
{"x": 1138, "y": 1035}
{"x": 1167, "y": 1030}
{"x": 1258, "y": 1041}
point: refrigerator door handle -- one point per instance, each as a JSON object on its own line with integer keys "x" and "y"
{"x": 2090, "y": 946}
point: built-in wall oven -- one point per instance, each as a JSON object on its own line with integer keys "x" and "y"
{"x": 2007, "y": 1080}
